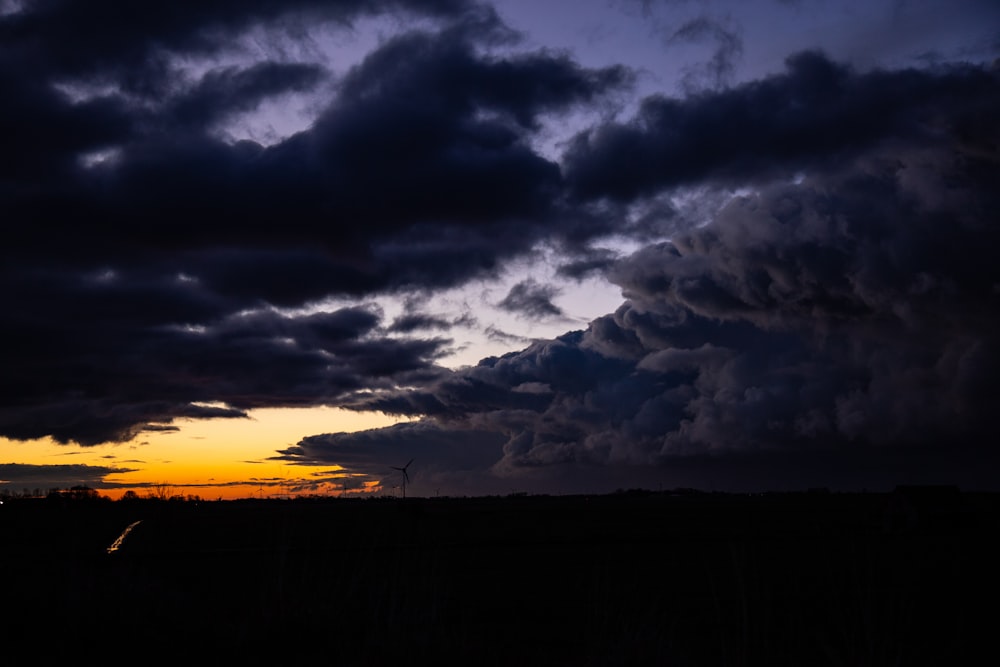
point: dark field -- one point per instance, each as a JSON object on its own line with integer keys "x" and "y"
{"x": 625, "y": 579}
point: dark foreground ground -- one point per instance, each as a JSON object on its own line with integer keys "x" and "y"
{"x": 626, "y": 579}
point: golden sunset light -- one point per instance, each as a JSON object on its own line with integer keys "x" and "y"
{"x": 212, "y": 459}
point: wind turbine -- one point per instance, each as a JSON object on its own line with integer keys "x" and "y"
{"x": 406, "y": 477}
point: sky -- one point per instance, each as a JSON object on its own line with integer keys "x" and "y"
{"x": 268, "y": 249}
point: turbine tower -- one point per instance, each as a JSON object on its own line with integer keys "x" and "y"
{"x": 406, "y": 477}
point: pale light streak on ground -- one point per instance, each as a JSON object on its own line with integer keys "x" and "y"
{"x": 116, "y": 545}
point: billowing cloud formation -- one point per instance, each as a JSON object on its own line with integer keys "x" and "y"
{"x": 152, "y": 372}
{"x": 446, "y": 457}
{"x": 849, "y": 315}
{"x": 834, "y": 294}
{"x": 817, "y": 114}
{"x": 146, "y": 255}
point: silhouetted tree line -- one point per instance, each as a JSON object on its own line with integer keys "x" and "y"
{"x": 74, "y": 493}
{"x": 83, "y": 493}
{"x": 77, "y": 494}
{"x": 159, "y": 493}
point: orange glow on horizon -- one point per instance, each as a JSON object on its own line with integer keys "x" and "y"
{"x": 213, "y": 459}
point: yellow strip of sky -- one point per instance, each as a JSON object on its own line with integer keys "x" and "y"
{"x": 215, "y": 458}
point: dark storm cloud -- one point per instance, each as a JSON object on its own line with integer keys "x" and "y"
{"x": 817, "y": 114}
{"x": 144, "y": 253}
{"x": 416, "y": 318}
{"x": 419, "y": 171}
{"x": 229, "y": 90}
{"x": 17, "y": 476}
{"x": 104, "y": 46}
{"x": 107, "y": 378}
{"x": 532, "y": 300}
{"x": 841, "y": 329}
{"x": 587, "y": 262}
{"x": 416, "y": 321}
{"x": 104, "y": 36}
{"x": 842, "y": 310}
{"x": 446, "y": 457}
